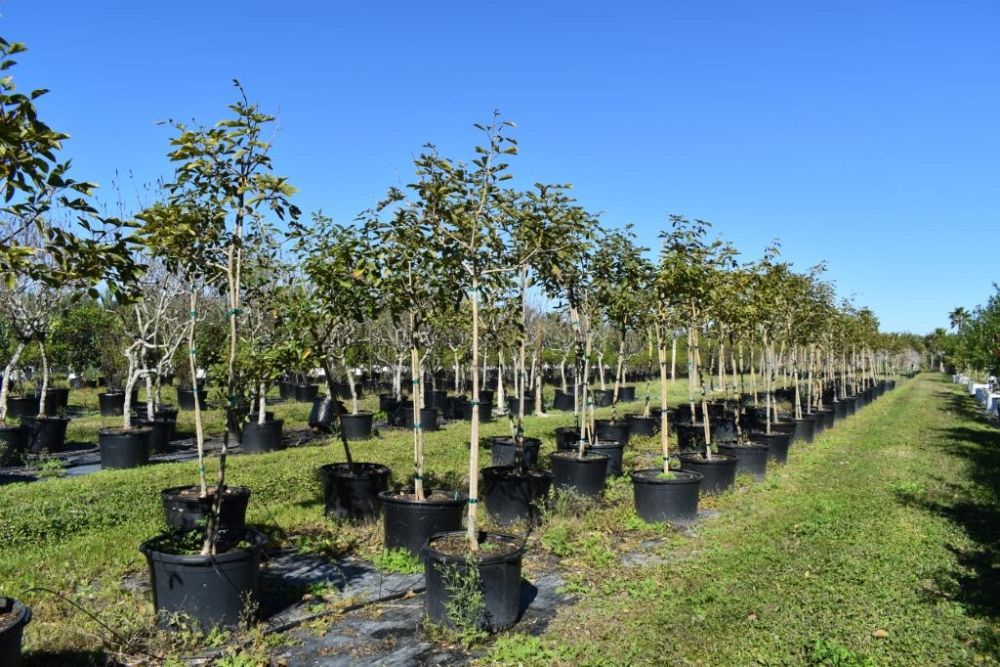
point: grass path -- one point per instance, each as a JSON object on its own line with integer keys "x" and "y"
{"x": 876, "y": 545}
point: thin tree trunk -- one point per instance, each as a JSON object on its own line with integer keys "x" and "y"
{"x": 5, "y": 380}
{"x": 45, "y": 378}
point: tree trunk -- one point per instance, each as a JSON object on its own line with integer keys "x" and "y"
{"x": 45, "y": 378}
{"x": 471, "y": 525}
{"x": 5, "y": 380}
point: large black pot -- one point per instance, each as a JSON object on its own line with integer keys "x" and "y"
{"x": 185, "y": 398}
{"x": 260, "y": 438}
{"x": 514, "y": 405}
{"x": 563, "y": 401}
{"x": 123, "y": 449}
{"x": 23, "y": 406}
{"x": 805, "y": 429}
{"x": 357, "y": 426}
{"x": 609, "y": 429}
{"x": 513, "y": 495}
{"x": 166, "y": 412}
{"x": 504, "y": 450}
{"x": 828, "y": 417}
{"x": 305, "y": 393}
{"x": 161, "y": 432}
{"x": 602, "y": 397}
{"x": 751, "y": 458}
{"x": 409, "y": 522}
{"x": 614, "y": 451}
{"x": 839, "y": 409}
{"x": 498, "y": 573}
{"x": 13, "y": 443}
{"x": 690, "y": 437}
{"x": 584, "y": 476}
{"x": 12, "y": 634}
{"x": 352, "y": 491}
{"x": 286, "y": 390}
{"x": 717, "y": 474}
{"x": 56, "y": 400}
{"x": 323, "y": 415}
{"x": 485, "y": 411}
{"x": 46, "y": 433}
{"x": 643, "y": 427}
{"x": 567, "y": 437}
{"x": 387, "y": 403}
{"x": 778, "y": 444}
{"x": 184, "y": 509}
{"x": 673, "y": 499}
{"x": 436, "y": 398}
{"x": 212, "y": 591}
{"x": 428, "y": 418}
{"x": 626, "y": 394}
{"x": 112, "y": 404}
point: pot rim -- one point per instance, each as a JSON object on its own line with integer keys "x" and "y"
{"x": 257, "y": 538}
{"x": 22, "y": 610}
{"x": 394, "y": 496}
{"x": 343, "y": 470}
{"x": 533, "y": 473}
{"x": 168, "y": 492}
{"x": 574, "y": 455}
{"x": 746, "y": 445}
{"x": 682, "y": 477}
{"x": 429, "y": 553}
{"x": 141, "y": 430}
{"x": 698, "y": 458}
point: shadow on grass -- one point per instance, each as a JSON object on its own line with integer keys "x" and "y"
{"x": 973, "y": 504}
{"x": 69, "y": 659}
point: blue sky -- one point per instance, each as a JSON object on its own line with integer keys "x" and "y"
{"x": 863, "y": 133}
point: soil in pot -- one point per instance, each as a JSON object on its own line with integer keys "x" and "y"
{"x": 614, "y": 450}
{"x": 608, "y": 429}
{"x": 352, "y": 491}
{"x": 494, "y": 570}
{"x": 260, "y": 438}
{"x": 211, "y": 591}
{"x": 512, "y": 495}
{"x": 46, "y": 433}
{"x": 642, "y": 427}
{"x": 14, "y": 615}
{"x": 584, "y": 476}
{"x": 409, "y": 522}
{"x": 123, "y": 449}
{"x": 185, "y": 509}
{"x": 751, "y": 458}
{"x": 778, "y": 445}
{"x": 717, "y": 474}
{"x": 504, "y": 449}
{"x": 672, "y": 497}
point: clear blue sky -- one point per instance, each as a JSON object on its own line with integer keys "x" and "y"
{"x": 864, "y": 133}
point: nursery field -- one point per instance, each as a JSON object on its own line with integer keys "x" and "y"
{"x": 873, "y": 545}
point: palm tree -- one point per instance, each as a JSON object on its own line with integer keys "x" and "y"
{"x": 958, "y": 318}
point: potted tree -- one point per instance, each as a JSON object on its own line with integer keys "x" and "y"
{"x": 222, "y": 189}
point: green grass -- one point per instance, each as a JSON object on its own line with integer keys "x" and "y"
{"x": 876, "y": 545}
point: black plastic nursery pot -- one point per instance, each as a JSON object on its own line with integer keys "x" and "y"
{"x": 123, "y": 449}
{"x": 672, "y": 498}
{"x": 185, "y": 509}
{"x": 614, "y": 450}
{"x": 16, "y": 615}
{"x": 584, "y": 476}
{"x": 485, "y": 411}
{"x": 778, "y": 444}
{"x": 851, "y": 403}
{"x": 428, "y": 418}
{"x": 46, "y": 433}
{"x": 23, "y": 406}
{"x": 305, "y": 393}
{"x": 323, "y": 415}
{"x": 56, "y": 399}
{"x": 690, "y": 437}
{"x": 357, "y": 426}
{"x": 212, "y": 591}
{"x": 13, "y": 443}
{"x": 805, "y": 429}
{"x": 185, "y": 398}
{"x": 829, "y": 417}
{"x": 602, "y": 397}
{"x": 260, "y": 438}
{"x": 498, "y": 567}
{"x": 436, "y": 398}
{"x": 626, "y": 394}
{"x": 751, "y": 458}
{"x": 286, "y": 390}
{"x": 387, "y": 403}
{"x": 351, "y": 491}
{"x": 166, "y": 412}
{"x": 839, "y": 410}
{"x": 161, "y": 432}
{"x": 643, "y": 427}
{"x": 504, "y": 450}
{"x": 514, "y": 405}
{"x": 513, "y": 495}
{"x": 409, "y": 522}
{"x": 609, "y": 429}
{"x": 562, "y": 401}
{"x": 717, "y": 473}
{"x": 567, "y": 437}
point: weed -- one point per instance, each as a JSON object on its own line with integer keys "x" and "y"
{"x": 401, "y": 561}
